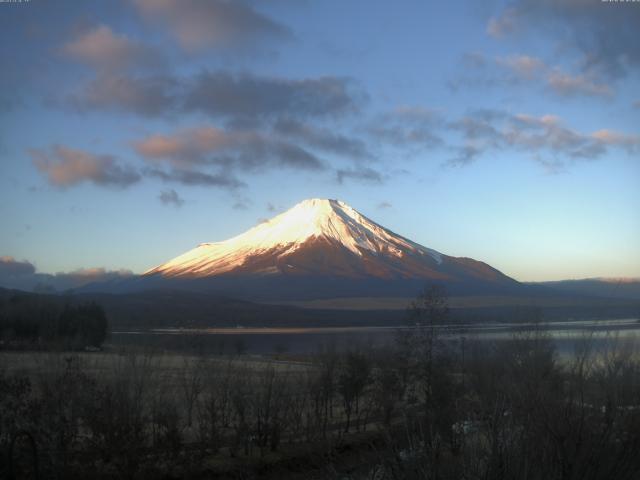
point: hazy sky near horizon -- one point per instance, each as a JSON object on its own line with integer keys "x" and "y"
{"x": 132, "y": 130}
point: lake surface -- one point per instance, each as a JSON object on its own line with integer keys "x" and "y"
{"x": 567, "y": 335}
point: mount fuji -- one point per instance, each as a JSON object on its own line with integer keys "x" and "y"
{"x": 321, "y": 249}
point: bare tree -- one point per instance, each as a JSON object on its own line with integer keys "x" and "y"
{"x": 191, "y": 382}
{"x": 353, "y": 378}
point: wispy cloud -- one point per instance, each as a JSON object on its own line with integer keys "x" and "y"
{"x": 197, "y": 25}
{"x": 523, "y": 66}
{"x": 322, "y": 138}
{"x": 631, "y": 143}
{"x": 219, "y": 94}
{"x": 571, "y": 85}
{"x": 512, "y": 70}
{"x": 64, "y": 167}
{"x": 504, "y": 23}
{"x": 148, "y": 95}
{"x": 408, "y": 127}
{"x": 105, "y": 50}
{"x": 230, "y": 149}
{"x": 546, "y": 138}
{"x": 604, "y": 34}
{"x": 241, "y": 204}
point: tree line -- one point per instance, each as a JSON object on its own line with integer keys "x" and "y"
{"x": 28, "y": 320}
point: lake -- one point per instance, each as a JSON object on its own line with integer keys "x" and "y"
{"x": 261, "y": 341}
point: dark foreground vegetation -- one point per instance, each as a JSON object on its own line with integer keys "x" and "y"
{"x": 45, "y": 321}
{"x": 420, "y": 409}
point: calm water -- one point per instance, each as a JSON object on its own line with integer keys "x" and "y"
{"x": 567, "y": 336}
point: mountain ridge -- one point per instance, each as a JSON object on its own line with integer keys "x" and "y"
{"x": 322, "y": 237}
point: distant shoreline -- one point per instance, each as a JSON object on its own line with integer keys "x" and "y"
{"x": 455, "y": 328}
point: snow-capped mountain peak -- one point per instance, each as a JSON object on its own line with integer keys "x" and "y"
{"x": 331, "y": 219}
{"x": 320, "y": 244}
{"x": 310, "y": 221}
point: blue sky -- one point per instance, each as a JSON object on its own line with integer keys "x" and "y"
{"x": 133, "y": 130}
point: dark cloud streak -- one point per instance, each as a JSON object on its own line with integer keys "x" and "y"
{"x": 359, "y": 174}
{"x": 196, "y": 178}
{"x": 170, "y": 197}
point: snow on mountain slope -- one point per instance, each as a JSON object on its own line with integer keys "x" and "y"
{"x": 321, "y": 237}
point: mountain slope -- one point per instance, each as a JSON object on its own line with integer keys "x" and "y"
{"x": 598, "y": 287}
{"x": 327, "y": 248}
